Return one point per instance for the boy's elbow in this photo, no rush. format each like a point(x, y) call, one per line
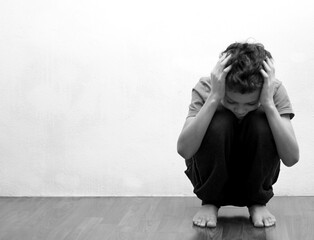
point(292, 161)
point(296, 158)
point(182, 151)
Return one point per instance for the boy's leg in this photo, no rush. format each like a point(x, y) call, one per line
point(262, 165)
point(207, 169)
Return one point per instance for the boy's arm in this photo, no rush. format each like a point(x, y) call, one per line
point(281, 127)
point(286, 143)
point(195, 128)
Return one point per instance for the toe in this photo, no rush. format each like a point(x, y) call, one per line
point(211, 223)
point(197, 221)
point(267, 222)
point(203, 223)
point(258, 223)
point(270, 222)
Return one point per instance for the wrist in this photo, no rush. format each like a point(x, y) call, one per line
point(214, 97)
point(212, 100)
point(269, 105)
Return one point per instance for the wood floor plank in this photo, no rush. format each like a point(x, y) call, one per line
point(147, 218)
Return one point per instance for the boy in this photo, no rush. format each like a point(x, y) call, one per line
point(237, 130)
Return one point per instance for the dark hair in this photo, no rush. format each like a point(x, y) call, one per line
point(247, 61)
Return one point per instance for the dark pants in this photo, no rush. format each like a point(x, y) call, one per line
point(237, 162)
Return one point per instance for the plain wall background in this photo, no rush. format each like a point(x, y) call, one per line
point(93, 94)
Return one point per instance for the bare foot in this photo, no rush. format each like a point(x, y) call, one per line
point(261, 217)
point(206, 216)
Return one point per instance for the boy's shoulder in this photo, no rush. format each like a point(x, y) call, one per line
point(202, 88)
point(203, 84)
point(278, 87)
point(277, 82)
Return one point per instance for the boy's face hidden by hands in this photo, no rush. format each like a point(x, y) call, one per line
point(241, 104)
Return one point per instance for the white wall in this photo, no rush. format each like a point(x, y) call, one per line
point(93, 94)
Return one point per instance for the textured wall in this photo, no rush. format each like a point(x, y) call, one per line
point(93, 94)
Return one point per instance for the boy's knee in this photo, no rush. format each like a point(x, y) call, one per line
point(259, 125)
point(222, 124)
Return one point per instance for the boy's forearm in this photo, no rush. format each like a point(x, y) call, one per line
point(283, 134)
point(193, 133)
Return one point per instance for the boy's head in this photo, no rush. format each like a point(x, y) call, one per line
point(247, 61)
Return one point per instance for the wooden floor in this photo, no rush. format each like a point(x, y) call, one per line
point(148, 218)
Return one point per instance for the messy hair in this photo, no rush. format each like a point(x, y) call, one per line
point(247, 61)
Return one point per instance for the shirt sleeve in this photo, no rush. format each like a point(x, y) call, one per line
point(199, 95)
point(282, 101)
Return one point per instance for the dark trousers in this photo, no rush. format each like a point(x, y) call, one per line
point(237, 162)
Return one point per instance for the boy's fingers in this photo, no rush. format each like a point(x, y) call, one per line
point(265, 75)
point(266, 66)
point(222, 56)
point(270, 61)
point(227, 69)
point(225, 60)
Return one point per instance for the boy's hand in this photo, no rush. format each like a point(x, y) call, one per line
point(218, 75)
point(266, 98)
